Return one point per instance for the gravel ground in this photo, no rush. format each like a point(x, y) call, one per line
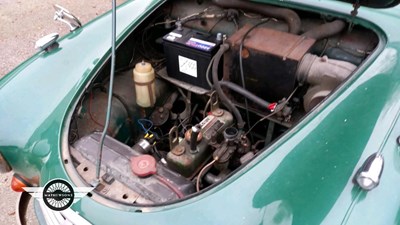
point(22, 23)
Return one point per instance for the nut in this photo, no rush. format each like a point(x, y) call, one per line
point(178, 150)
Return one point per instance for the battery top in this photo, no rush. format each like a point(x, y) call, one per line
point(193, 39)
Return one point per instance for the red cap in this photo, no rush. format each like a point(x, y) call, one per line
point(144, 165)
point(272, 106)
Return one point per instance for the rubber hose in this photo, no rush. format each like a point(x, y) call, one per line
point(339, 54)
point(223, 48)
point(293, 20)
point(325, 30)
point(254, 98)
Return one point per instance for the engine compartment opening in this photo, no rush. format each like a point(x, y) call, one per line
point(201, 88)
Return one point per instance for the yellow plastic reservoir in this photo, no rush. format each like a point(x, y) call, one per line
point(144, 77)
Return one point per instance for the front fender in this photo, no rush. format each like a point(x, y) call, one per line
point(35, 96)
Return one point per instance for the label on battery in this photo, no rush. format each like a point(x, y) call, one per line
point(187, 66)
point(200, 44)
point(172, 36)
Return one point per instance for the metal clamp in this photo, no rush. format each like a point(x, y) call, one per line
point(215, 109)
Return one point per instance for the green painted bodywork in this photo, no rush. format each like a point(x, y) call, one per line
point(303, 178)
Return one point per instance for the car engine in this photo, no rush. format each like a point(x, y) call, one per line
point(201, 88)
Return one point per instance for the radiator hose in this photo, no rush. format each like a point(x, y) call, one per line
point(217, 86)
point(290, 16)
point(325, 30)
point(247, 94)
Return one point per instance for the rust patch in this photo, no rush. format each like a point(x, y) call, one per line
point(245, 53)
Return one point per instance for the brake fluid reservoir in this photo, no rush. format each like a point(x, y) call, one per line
point(143, 77)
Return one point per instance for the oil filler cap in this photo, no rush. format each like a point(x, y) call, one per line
point(144, 165)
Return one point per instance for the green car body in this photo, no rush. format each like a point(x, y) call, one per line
point(306, 177)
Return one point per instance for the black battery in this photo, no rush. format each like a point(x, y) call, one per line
point(188, 53)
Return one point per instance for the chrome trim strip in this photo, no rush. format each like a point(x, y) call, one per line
point(65, 217)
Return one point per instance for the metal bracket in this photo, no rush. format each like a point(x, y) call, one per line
point(173, 137)
point(214, 101)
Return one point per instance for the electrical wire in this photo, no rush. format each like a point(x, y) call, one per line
point(206, 107)
point(143, 42)
point(91, 115)
point(205, 14)
point(250, 16)
point(215, 24)
point(162, 23)
point(241, 65)
point(186, 97)
point(185, 127)
point(141, 124)
point(260, 120)
point(179, 125)
point(273, 113)
point(183, 121)
point(149, 127)
point(208, 72)
point(157, 153)
point(118, 97)
point(162, 134)
point(202, 171)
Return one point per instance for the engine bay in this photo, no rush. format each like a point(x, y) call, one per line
point(201, 88)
